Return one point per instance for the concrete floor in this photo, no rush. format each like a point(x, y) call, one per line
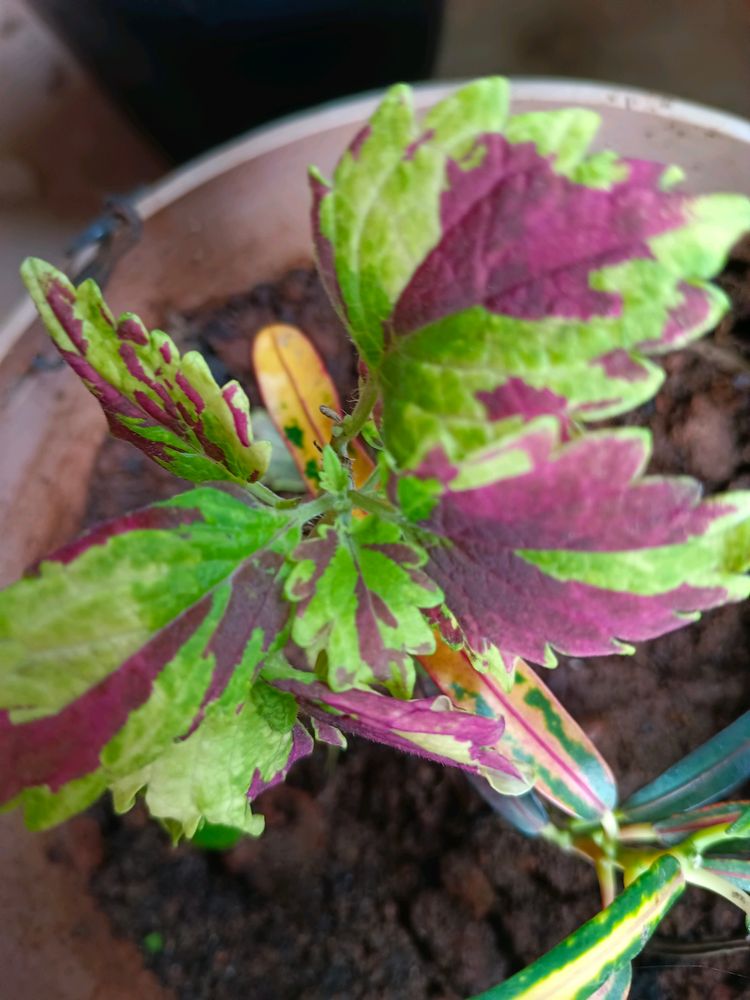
point(64, 147)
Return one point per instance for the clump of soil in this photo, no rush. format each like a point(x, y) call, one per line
point(381, 875)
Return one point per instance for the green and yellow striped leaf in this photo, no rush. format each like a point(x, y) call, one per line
point(589, 957)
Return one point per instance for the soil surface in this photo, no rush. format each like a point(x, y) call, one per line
point(383, 876)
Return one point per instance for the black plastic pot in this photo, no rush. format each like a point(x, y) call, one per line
point(192, 73)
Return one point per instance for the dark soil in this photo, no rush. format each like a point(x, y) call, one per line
point(382, 876)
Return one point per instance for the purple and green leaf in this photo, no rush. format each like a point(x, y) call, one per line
point(472, 250)
point(713, 770)
point(548, 544)
point(427, 727)
point(540, 736)
point(598, 952)
point(358, 588)
point(167, 405)
point(131, 638)
point(741, 826)
point(379, 219)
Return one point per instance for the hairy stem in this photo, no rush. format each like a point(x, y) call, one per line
point(271, 499)
point(310, 509)
point(374, 505)
point(353, 423)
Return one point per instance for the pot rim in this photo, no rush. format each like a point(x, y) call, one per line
point(356, 107)
point(352, 109)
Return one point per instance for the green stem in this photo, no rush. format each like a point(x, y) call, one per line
point(699, 842)
point(605, 873)
point(271, 499)
point(312, 508)
point(638, 833)
point(719, 885)
point(372, 482)
point(374, 505)
point(353, 423)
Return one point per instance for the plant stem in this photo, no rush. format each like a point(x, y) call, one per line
point(605, 872)
point(699, 842)
point(374, 505)
point(353, 423)
point(721, 886)
point(271, 499)
point(638, 833)
point(312, 508)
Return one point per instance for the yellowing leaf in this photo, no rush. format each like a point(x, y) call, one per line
point(294, 384)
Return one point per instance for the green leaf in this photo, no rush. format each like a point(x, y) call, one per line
point(473, 253)
point(734, 870)
point(705, 774)
point(358, 588)
point(216, 837)
point(539, 525)
point(601, 947)
point(417, 498)
point(101, 599)
point(206, 777)
point(168, 406)
point(333, 477)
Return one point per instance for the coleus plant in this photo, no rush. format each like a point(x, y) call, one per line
point(507, 290)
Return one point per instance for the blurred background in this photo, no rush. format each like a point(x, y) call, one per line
point(103, 96)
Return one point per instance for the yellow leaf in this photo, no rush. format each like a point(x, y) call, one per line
point(294, 384)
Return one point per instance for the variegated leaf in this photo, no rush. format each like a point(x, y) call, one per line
point(473, 251)
point(616, 987)
point(168, 406)
point(358, 589)
point(428, 727)
point(138, 634)
point(585, 960)
point(714, 769)
point(680, 825)
point(735, 870)
point(552, 545)
point(540, 735)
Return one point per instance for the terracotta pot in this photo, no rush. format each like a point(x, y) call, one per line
point(224, 223)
